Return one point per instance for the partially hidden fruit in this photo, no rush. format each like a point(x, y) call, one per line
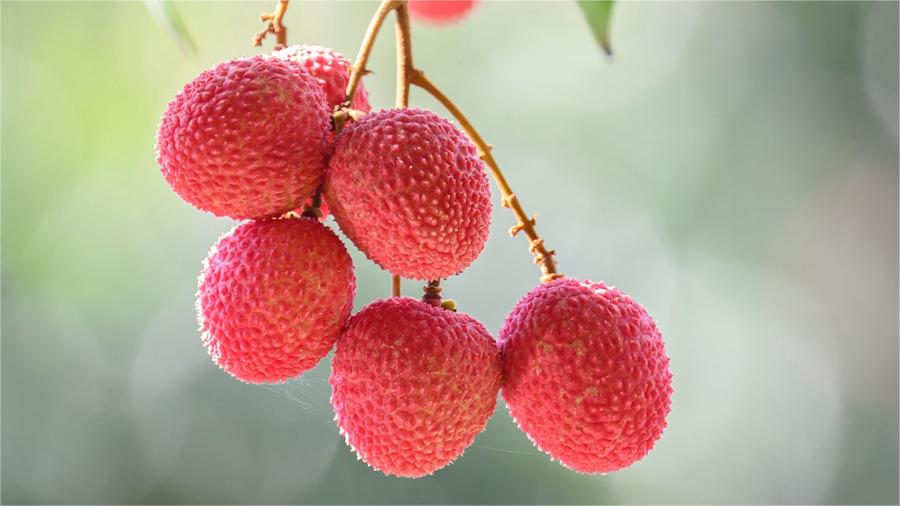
point(274, 296)
point(585, 374)
point(407, 187)
point(246, 139)
point(331, 69)
point(413, 384)
point(440, 11)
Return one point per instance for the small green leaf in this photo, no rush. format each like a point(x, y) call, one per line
point(164, 13)
point(599, 16)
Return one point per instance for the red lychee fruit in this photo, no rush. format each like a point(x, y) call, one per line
point(331, 69)
point(440, 11)
point(274, 296)
point(585, 374)
point(245, 139)
point(407, 187)
point(413, 384)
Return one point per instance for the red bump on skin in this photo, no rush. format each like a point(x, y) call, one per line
point(245, 139)
point(331, 69)
point(440, 11)
point(274, 296)
point(585, 374)
point(413, 384)
point(407, 187)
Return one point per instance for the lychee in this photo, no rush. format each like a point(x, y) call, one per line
point(413, 384)
point(440, 11)
point(274, 296)
point(585, 374)
point(246, 139)
point(331, 69)
point(407, 187)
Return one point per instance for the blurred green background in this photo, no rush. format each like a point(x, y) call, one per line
point(734, 168)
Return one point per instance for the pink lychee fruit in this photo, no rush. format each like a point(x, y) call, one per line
point(274, 296)
point(407, 187)
point(413, 384)
point(440, 11)
point(246, 139)
point(331, 69)
point(585, 375)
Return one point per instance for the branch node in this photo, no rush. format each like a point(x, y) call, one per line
point(432, 293)
point(527, 224)
point(274, 25)
point(343, 114)
point(314, 208)
point(546, 278)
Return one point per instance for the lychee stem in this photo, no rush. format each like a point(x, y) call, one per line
point(314, 209)
point(542, 256)
point(404, 54)
point(432, 293)
point(274, 25)
point(404, 66)
point(362, 58)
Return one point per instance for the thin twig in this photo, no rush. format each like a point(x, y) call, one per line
point(362, 58)
point(395, 286)
point(274, 25)
point(542, 256)
point(404, 54)
point(404, 67)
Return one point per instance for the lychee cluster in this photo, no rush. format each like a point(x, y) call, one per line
point(581, 366)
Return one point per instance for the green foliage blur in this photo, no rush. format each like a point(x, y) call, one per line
point(734, 167)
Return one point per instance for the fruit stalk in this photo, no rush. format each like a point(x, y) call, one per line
point(542, 256)
point(365, 50)
point(404, 66)
point(404, 54)
point(275, 25)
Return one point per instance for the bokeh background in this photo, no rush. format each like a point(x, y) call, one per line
point(734, 167)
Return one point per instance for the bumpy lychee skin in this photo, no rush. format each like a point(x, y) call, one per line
point(413, 384)
point(585, 374)
point(408, 188)
point(440, 11)
point(331, 69)
point(274, 296)
point(245, 139)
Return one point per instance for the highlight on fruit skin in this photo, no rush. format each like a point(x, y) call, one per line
point(331, 69)
point(440, 11)
point(413, 384)
point(246, 138)
point(585, 375)
point(273, 297)
point(407, 187)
